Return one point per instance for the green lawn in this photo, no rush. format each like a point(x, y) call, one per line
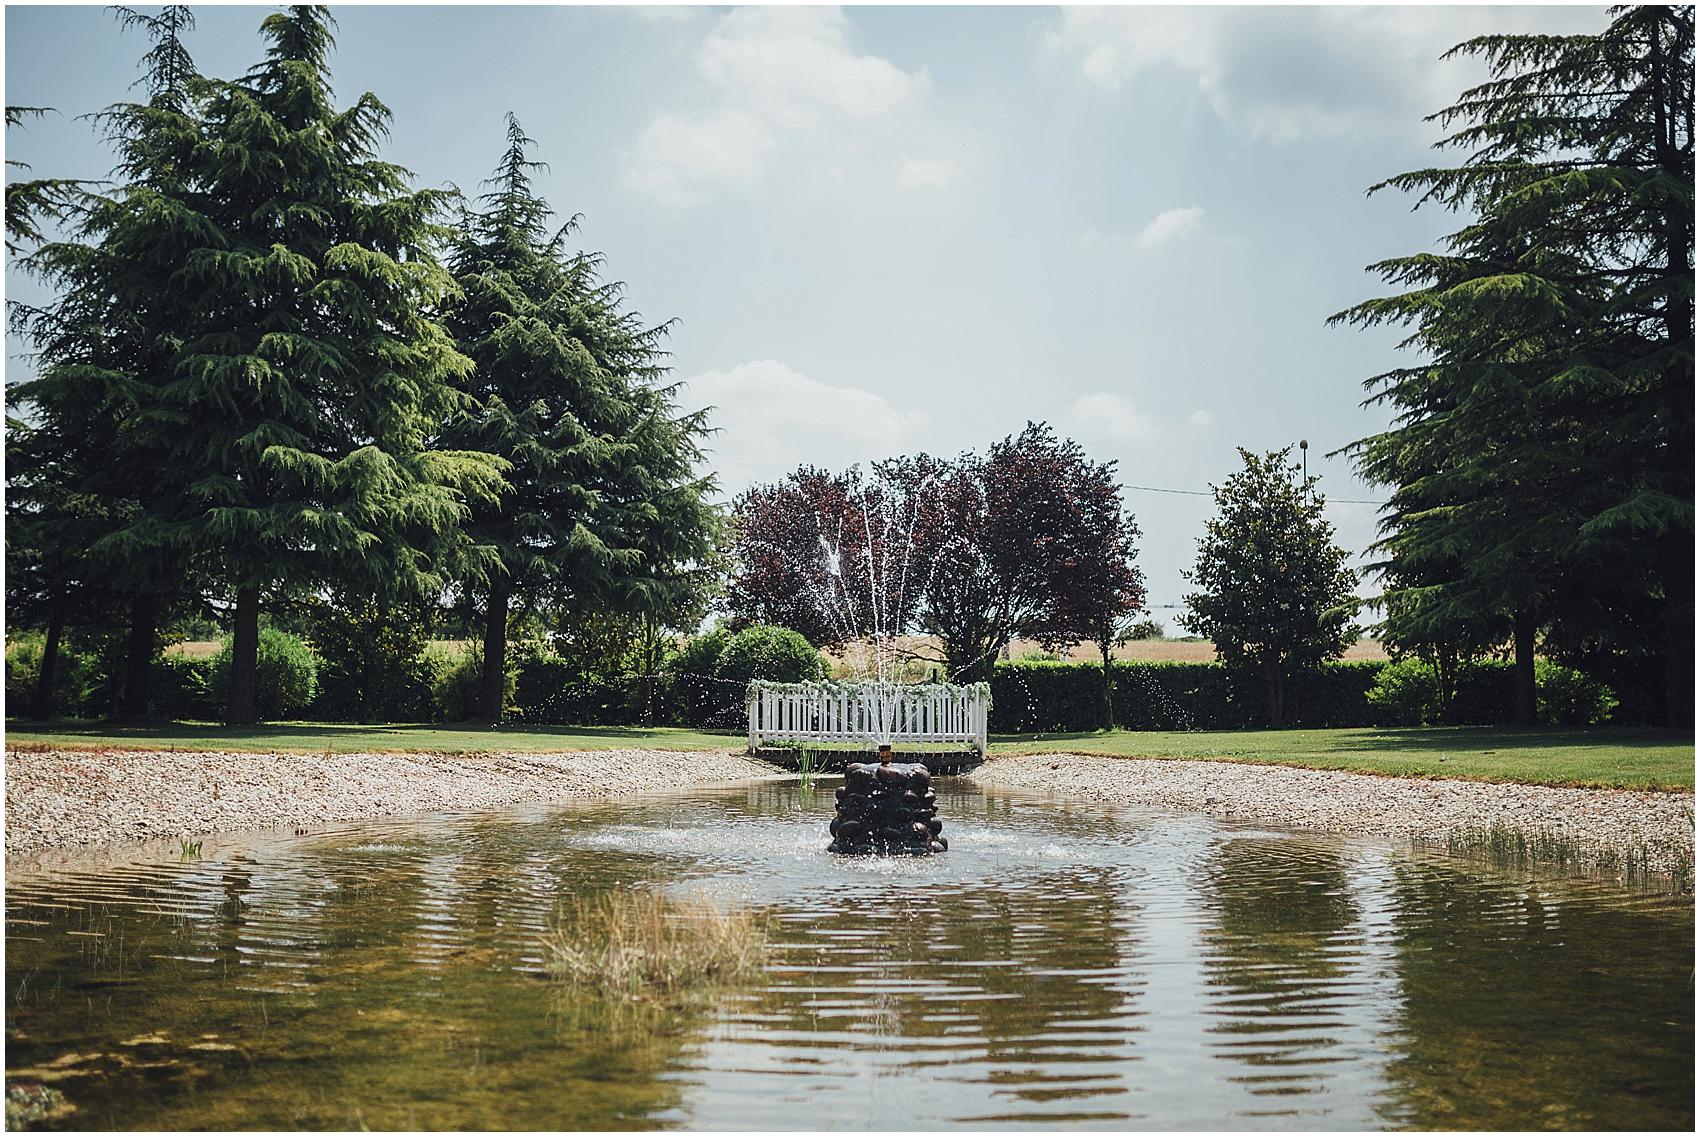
point(1654, 759)
point(320, 737)
point(1606, 757)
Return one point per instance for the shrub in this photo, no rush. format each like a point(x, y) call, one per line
point(80, 687)
point(456, 679)
point(1406, 693)
point(699, 697)
point(182, 688)
point(1566, 697)
point(287, 679)
point(766, 651)
point(375, 662)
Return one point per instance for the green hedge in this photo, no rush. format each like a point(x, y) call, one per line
point(1031, 696)
point(1040, 695)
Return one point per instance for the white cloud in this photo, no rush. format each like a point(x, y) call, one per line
point(798, 59)
point(1280, 74)
point(925, 173)
point(776, 77)
point(1170, 225)
point(661, 13)
point(772, 419)
point(1103, 414)
point(724, 148)
point(1201, 419)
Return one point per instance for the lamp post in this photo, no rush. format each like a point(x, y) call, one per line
point(1304, 458)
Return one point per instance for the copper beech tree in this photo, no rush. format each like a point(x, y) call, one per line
point(1029, 539)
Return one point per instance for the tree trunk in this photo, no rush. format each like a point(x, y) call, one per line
point(42, 706)
point(495, 680)
point(244, 658)
point(1275, 684)
point(138, 657)
point(1109, 688)
point(1677, 571)
point(1523, 664)
point(1678, 619)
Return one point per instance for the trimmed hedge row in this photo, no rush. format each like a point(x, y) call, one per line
point(1028, 696)
point(1031, 696)
point(1035, 696)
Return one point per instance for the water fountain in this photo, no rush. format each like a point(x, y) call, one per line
point(884, 806)
point(887, 807)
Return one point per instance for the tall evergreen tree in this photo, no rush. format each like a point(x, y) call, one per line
point(313, 379)
point(1548, 438)
point(603, 508)
point(32, 201)
point(107, 345)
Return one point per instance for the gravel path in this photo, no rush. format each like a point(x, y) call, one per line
point(1611, 830)
point(66, 797)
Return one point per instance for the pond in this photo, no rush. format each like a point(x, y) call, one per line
point(1064, 964)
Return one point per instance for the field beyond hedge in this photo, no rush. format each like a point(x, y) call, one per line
point(1608, 757)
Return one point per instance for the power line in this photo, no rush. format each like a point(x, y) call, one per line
point(1208, 493)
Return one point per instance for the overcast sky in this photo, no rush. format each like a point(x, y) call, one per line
point(884, 230)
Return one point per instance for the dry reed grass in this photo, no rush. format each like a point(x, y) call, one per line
point(646, 945)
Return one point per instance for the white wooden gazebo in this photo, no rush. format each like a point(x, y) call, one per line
point(868, 713)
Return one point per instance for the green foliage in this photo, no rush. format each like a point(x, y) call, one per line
point(1047, 696)
point(1566, 697)
point(183, 688)
point(456, 681)
point(375, 663)
point(287, 675)
point(79, 678)
point(1541, 456)
point(766, 651)
point(602, 512)
point(701, 698)
point(1406, 693)
point(1274, 590)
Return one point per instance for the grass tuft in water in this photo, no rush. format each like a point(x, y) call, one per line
point(806, 765)
point(189, 850)
point(1638, 862)
point(645, 945)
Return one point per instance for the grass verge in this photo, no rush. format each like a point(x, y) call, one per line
point(1607, 757)
point(349, 738)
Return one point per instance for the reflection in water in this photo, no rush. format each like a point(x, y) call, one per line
point(1061, 965)
point(1525, 1009)
point(1279, 953)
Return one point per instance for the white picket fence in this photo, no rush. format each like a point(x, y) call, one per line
point(868, 713)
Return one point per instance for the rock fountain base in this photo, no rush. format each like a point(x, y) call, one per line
point(887, 807)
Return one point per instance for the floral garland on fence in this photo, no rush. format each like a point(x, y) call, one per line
point(835, 688)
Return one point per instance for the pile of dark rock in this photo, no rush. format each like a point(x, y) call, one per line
point(887, 807)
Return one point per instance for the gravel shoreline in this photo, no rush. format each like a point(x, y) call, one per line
point(1595, 830)
point(67, 797)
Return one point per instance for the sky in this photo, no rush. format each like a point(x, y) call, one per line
point(884, 230)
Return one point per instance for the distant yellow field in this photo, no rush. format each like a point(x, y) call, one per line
point(1162, 651)
point(1150, 651)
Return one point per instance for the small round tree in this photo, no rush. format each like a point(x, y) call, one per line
point(765, 651)
point(1274, 590)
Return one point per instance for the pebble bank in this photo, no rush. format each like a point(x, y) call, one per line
point(68, 797)
point(1591, 829)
